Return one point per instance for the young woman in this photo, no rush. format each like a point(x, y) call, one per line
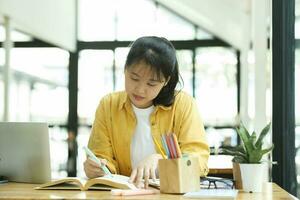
point(127, 122)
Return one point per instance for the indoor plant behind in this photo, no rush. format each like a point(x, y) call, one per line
point(247, 158)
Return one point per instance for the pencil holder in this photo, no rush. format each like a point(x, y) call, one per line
point(179, 175)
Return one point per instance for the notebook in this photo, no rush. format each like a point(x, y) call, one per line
point(212, 194)
point(107, 182)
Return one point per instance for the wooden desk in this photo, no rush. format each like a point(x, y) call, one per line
point(25, 191)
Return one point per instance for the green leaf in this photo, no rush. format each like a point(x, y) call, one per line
point(257, 154)
point(240, 148)
point(253, 138)
point(250, 150)
point(262, 135)
point(245, 137)
point(255, 157)
point(268, 150)
point(239, 159)
point(234, 153)
point(246, 131)
point(235, 148)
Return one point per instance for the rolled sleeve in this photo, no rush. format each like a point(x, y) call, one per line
point(192, 139)
point(100, 140)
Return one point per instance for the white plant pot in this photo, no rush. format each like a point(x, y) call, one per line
point(252, 177)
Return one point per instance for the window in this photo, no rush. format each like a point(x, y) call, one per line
point(96, 20)
point(15, 35)
point(132, 22)
point(201, 34)
point(215, 82)
point(120, 20)
point(168, 26)
point(95, 79)
point(120, 59)
point(221, 137)
point(185, 63)
point(82, 140)
point(251, 86)
point(297, 19)
point(39, 74)
point(58, 151)
point(39, 92)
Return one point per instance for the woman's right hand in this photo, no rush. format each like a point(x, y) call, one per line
point(92, 169)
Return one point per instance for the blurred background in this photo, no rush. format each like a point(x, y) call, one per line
point(63, 87)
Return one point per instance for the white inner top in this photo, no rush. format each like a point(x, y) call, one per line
point(142, 143)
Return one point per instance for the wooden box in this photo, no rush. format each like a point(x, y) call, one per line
point(179, 175)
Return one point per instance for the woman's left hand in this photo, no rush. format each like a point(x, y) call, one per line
point(145, 170)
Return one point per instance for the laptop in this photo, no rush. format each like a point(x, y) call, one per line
point(24, 152)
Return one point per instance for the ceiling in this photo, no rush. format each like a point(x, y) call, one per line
point(229, 20)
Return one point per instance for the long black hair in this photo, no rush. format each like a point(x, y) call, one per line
point(160, 55)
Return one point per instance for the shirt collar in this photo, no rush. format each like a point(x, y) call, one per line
point(125, 101)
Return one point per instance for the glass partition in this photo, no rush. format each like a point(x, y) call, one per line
point(120, 59)
point(39, 92)
point(185, 63)
point(39, 74)
point(216, 86)
point(95, 77)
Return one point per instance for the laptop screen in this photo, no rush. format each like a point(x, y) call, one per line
point(24, 152)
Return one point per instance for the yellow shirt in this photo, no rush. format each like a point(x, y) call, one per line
point(115, 123)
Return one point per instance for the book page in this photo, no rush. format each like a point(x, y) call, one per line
point(121, 179)
point(114, 181)
point(117, 178)
point(101, 183)
point(70, 183)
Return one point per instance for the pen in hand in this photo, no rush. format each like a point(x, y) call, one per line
point(94, 158)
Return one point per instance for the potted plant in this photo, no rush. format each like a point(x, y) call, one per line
point(247, 159)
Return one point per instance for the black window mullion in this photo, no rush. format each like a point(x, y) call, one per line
point(283, 123)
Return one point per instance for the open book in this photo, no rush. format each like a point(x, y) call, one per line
point(101, 183)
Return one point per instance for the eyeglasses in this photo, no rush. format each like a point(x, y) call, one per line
point(217, 182)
